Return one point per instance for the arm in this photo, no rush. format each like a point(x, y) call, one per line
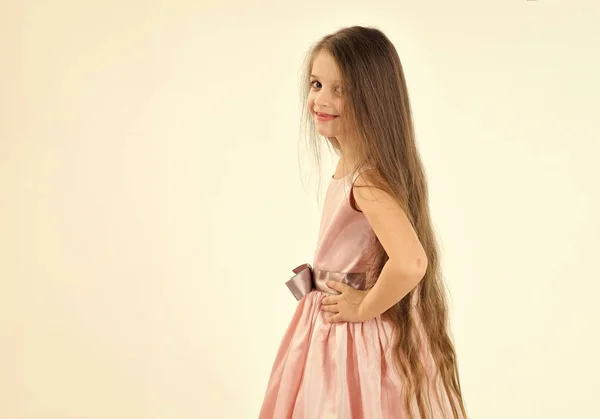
point(407, 261)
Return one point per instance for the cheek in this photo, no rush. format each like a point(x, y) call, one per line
point(310, 103)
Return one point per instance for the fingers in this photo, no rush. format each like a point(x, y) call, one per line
point(330, 303)
point(333, 308)
point(337, 286)
point(332, 299)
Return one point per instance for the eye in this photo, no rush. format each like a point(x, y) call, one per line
point(312, 83)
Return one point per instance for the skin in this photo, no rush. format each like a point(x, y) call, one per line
point(326, 96)
point(407, 261)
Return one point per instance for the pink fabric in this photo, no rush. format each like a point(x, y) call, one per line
point(344, 370)
point(345, 234)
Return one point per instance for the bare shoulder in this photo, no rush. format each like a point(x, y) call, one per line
point(369, 197)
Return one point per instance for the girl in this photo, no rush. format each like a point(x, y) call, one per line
point(369, 338)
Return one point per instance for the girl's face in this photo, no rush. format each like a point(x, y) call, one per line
point(326, 96)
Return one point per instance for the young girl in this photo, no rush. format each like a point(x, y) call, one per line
point(369, 338)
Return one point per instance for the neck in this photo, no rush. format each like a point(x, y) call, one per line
point(344, 166)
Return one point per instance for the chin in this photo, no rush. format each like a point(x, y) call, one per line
point(329, 134)
point(326, 132)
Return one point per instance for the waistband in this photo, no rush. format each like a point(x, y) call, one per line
point(307, 279)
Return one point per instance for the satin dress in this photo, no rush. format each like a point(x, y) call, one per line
point(340, 370)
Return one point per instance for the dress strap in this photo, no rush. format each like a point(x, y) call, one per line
point(351, 192)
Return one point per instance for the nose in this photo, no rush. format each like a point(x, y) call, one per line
point(323, 98)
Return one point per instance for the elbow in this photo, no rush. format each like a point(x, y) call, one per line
point(412, 270)
point(421, 267)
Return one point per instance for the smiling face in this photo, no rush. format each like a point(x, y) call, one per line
point(326, 96)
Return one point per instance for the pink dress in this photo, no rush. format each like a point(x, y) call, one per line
point(342, 370)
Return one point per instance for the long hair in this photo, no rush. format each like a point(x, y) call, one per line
point(378, 112)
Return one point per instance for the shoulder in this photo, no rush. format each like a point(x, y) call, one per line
point(370, 192)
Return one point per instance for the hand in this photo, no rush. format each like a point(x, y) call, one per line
point(345, 306)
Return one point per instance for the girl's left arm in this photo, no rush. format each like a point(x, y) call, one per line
point(407, 261)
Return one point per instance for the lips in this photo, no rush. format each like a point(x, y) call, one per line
point(325, 117)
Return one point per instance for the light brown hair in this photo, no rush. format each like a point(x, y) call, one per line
point(379, 115)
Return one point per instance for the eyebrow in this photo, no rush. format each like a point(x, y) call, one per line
point(316, 77)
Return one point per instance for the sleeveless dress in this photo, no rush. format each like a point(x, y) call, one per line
point(340, 370)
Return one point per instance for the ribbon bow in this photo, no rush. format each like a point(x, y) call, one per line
point(302, 282)
point(307, 279)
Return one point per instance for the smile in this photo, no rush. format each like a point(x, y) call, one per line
point(325, 116)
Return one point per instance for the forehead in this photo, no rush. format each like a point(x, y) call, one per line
point(325, 68)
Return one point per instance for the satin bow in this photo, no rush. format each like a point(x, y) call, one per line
point(302, 282)
point(307, 279)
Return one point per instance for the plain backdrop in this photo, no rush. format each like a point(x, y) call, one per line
point(152, 205)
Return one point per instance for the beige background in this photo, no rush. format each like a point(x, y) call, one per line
point(151, 206)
